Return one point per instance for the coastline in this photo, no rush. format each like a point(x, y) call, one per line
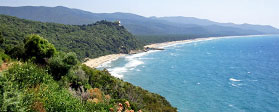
point(96, 62)
point(171, 43)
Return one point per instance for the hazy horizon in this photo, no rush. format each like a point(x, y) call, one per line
point(260, 12)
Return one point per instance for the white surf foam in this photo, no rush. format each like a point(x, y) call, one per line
point(133, 61)
point(117, 71)
point(234, 85)
point(173, 54)
point(234, 80)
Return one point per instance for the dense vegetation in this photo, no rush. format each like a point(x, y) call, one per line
point(51, 81)
point(91, 40)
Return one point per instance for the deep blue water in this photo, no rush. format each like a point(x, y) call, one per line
point(223, 75)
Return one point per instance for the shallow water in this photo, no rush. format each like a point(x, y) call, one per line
point(223, 75)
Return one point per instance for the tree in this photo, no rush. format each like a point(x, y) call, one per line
point(38, 48)
point(61, 63)
point(16, 52)
point(1, 38)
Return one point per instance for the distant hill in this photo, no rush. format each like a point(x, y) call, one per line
point(205, 22)
point(92, 40)
point(136, 24)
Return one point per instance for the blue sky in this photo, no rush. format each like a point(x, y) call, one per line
point(264, 12)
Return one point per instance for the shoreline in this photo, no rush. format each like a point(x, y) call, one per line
point(96, 62)
point(170, 43)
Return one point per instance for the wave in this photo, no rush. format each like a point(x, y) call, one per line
point(173, 54)
point(133, 61)
point(105, 65)
point(146, 58)
point(234, 80)
point(237, 85)
point(117, 71)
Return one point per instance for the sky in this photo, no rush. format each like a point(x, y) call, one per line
point(263, 12)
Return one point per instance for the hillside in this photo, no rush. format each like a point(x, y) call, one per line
point(139, 25)
point(204, 22)
point(36, 77)
point(90, 40)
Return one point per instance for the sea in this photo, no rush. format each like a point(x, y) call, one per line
point(238, 74)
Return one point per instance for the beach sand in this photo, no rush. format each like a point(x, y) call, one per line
point(165, 44)
point(95, 62)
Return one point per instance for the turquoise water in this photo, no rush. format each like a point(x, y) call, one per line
point(223, 75)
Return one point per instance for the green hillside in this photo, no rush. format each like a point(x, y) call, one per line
point(49, 80)
point(91, 40)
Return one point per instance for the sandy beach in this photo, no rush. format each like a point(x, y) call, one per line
point(165, 44)
point(103, 59)
point(95, 62)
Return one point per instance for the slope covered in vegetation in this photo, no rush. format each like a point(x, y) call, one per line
point(47, 80)
point(91, 40)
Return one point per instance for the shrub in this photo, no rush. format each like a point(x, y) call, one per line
point(61, 63)
point(4, 57)
point(11, 98)
point(2, 85)
point(77, 77)
point(26, 87)
point(1, 38)
point(16, 52)
point(118, 89)
point(51, 98)
point(27, 75)
point(38, 48)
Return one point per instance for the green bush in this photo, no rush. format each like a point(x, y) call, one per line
point(100, 107)
point(4, 57)
point(51, 98)
point(61, 63)
point(26, 87)
point(27, 75)
point(2, 85)
point(77, 77)
point(11, 98)
point(38, 48)
point(16, 52)
point(119, 89)
point(1, 39)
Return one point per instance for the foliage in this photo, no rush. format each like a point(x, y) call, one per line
point(27, 75)
point(38, 47)
point(61, 63)
point(4, 57)
point(30, 87)
point(77, 77)
point(16, 52)
point(118, 89)
point(51, 98)
point(26, 87)
point(12, 99)
point(91, 40)
point(1, 39)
